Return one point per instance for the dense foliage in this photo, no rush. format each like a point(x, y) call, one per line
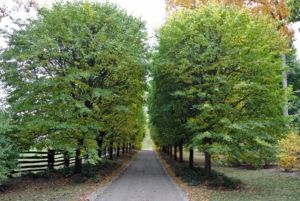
point(75, 77)
point(8, 150)
point(288, 152)
point(217, 70)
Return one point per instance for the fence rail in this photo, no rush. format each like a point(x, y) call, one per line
point(35, 161)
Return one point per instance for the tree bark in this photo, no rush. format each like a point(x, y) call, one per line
point(66, 159)
point(170, 151)
point(191, 158)
point(99, 143)
point(207, 165)
point(180, 154)
point(118, 151)
point(110, 150)
point(78, 162)
point(175, 152)
point(284, 85)
point(123, 148)
point(51, 159)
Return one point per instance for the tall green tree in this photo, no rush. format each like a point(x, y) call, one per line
point(294, 6)
point(65, 69)
point(228, 64)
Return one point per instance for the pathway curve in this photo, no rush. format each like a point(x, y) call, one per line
point(144, 179)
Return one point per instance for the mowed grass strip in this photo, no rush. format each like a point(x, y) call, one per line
point(258, 185)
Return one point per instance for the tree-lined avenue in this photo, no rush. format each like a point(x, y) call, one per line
point(143, 179)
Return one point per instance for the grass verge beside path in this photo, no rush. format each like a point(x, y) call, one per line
point(258, 185)
point(56, 187)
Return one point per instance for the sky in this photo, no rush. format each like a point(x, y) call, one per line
point(152, 11)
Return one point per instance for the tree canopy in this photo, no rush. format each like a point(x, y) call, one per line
point(69, 72)
point(277, 10)
point(220, 68)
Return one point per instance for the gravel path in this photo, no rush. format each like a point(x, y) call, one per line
point(144, 179)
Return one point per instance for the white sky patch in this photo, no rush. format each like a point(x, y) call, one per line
point(296, 27)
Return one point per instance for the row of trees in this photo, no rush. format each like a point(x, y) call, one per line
point(75, 78)
point(215, 85)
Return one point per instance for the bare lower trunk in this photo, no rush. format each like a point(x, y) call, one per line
point(207, 165)
point(123, 148)
point(284, 85)
point(126, 147)
point(175, 153)
point(118, 151)
point(110, 150)
point(170, 151)
point(99, 142)
point(180, 154)
point(78, 162)
point(191, 158)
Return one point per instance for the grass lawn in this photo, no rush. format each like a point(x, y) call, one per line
point(258, 185)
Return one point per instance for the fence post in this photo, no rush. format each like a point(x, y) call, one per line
point(51, 154)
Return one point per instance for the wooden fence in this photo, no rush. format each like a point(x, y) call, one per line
point(35, 161)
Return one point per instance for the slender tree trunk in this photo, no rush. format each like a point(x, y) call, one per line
point(207, 165)
point(170, 151)
point(99, 143)
point(110, 150)
point(180, 154)
point(129, 146)
point(51, 159)
point(284, 85)
point(123, 148)
point(78, 162)
point(126, 147)
point(175, 152)
point(66, 159)
point(118, 151)
point(191, 158)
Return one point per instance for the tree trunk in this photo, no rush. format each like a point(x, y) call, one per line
point(191, 158)
point(51, 159)
point(110, 150)
point(129, 146)
point(126, 147)
point(78, 162)
point(175, 152)
point(180, 154)
point(123, 148)
point(66, 159)
point(118, 151)
point(284, 85)
point(170, 151)
point(99, 143)
point(207, 165)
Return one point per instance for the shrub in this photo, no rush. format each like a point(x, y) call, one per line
point(288, 149)
point(8, 157)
